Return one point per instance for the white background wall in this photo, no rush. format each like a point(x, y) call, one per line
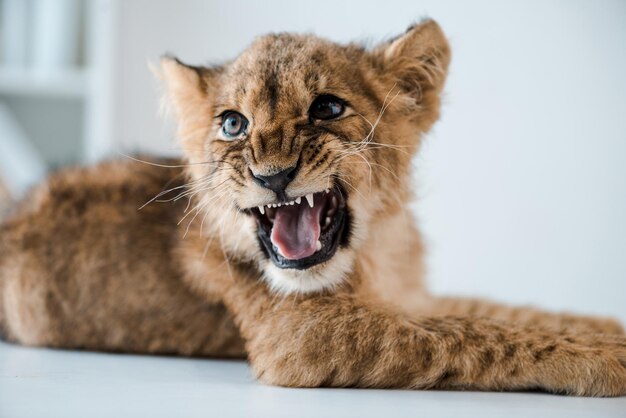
point(522, 184)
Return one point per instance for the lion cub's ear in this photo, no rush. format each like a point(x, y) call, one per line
point(187, 86)
point(417, 60)
point(188, 91)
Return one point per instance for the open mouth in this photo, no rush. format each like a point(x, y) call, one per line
point(305, 231)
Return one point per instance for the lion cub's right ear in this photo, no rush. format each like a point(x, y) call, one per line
point(187, 86)
point(188, 90)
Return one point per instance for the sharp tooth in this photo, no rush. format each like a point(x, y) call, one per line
point(327, 190)
point(318, 245)
point(298, 199)
point(327, 221)
point(309, 198)
point(292, 203)
point(262, 210)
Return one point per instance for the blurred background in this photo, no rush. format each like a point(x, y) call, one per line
point(521, 186)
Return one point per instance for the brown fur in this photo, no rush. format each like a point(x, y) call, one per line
point(81, 266)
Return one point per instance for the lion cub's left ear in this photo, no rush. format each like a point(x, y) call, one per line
point(417, 60)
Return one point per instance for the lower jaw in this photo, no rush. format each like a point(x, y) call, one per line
point(314, 280)
point(329, 246)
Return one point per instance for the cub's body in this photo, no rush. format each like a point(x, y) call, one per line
point(92, 260)
point(83, 267)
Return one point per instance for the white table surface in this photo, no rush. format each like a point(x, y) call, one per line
point(52, 383)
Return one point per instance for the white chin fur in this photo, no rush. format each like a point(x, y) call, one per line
point(327, 277)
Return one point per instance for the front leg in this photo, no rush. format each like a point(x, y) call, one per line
point(523, 315)
point(336, 341)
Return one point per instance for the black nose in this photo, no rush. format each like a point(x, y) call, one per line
point(277, 182)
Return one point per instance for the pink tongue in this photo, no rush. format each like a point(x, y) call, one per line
point(296, 230)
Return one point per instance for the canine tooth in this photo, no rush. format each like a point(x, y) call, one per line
point(298, 199)
point(309, 198)
point(318, 245)
point(262, 210)
point(327, 222)
point(327, 190)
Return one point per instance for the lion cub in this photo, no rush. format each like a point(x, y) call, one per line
point(285, 235)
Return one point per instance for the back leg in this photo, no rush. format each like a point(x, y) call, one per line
point(82, 267)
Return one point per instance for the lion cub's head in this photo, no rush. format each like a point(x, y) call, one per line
point(299, 145)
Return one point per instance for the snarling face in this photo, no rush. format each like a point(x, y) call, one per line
point(299, 145)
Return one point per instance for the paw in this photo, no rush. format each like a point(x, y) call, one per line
point(592, 366)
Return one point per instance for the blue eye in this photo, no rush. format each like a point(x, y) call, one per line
point(234, 124)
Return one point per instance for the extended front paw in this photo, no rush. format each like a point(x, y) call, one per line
point(586, 367)
point(293, 374)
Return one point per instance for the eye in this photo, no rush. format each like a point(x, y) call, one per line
point(326, 107)
point(233, 124)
